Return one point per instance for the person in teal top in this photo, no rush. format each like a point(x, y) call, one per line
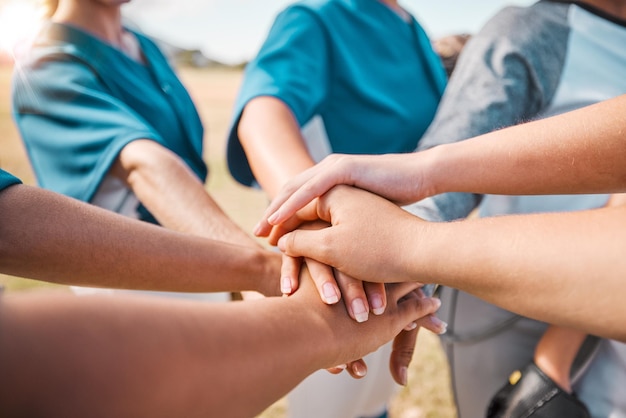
point(336, 76)
point(105, 119)
point(77, 87)
point(368, 71)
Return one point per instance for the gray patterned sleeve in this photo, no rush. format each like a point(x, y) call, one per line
point(506, 74)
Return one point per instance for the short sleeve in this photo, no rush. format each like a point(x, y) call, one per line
point(506, 74)
point(72, 127)
point(7, 179)
point(292, 65)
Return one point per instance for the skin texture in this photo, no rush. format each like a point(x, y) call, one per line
point(583, 148)
point(585, 154)
point(67, 356)
point(563, 268)
point(272, 140)
point(126, 356)
point(41, 229)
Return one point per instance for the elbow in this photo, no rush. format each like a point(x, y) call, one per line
point(143, 159)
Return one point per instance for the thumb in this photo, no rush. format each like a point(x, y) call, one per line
point(402, 354)
point(307, 243)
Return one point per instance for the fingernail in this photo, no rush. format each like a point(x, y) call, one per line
point(437, 302)
point(441, 325)
point(342, 366)
point(358, 369)
point(411, 326)
point(359, 310)
point(272, 218)
point(330, 294)
point(257, 229)
point(376, 302)
point(404, 375)
point(281, 243)
point(285, 285)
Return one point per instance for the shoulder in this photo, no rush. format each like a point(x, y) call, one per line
point(50, 74)
point(59, 52)
point(48, 67)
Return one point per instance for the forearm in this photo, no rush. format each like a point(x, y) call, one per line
point(67, 356)
point(54, 238)
point(271, 138)
point(566, 268)
point(174, 195)
point(577, 152)
point(128, 356)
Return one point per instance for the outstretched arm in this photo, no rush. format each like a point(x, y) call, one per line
point(563, 268)
point(174, 195)
point(51, 237)
point(577, 152)
point(131, 356)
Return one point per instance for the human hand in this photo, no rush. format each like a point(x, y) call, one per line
point(359, 297)
point(370, 237)
point(404, 344)
point(349, 340)
point(397, 177)
point(402, 349)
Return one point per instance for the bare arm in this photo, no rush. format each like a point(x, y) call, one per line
point(566, 268)
point(577, 152)
point(563, 268)
point(270, 136)
point(173, 193)
point(276, 151)
point(127, 357)
point(50, 237)
point(557, 349)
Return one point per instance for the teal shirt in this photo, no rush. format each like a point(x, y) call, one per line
point(372, 77)
point(78, 101)
point(6, 180)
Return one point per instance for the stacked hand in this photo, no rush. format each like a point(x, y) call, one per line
point(357, 244)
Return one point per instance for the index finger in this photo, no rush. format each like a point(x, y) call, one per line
point(302, 189)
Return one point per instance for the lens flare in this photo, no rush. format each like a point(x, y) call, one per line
point(19, 22)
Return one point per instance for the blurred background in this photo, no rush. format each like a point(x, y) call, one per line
point(230, 31)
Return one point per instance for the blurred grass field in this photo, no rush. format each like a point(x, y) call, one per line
point(428, 392)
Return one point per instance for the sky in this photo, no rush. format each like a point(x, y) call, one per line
point(231, 31)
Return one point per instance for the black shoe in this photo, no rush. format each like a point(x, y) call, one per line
point(531, 393)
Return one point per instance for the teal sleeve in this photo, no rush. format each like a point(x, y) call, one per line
point(291, 65)
point(7, 179)
point(72, 127)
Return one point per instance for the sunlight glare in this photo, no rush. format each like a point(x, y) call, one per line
point(19, 22)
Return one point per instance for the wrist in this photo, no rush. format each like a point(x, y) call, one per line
point(432, 244)
point(268, 280)
point(435, 174)
point(420, 239)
